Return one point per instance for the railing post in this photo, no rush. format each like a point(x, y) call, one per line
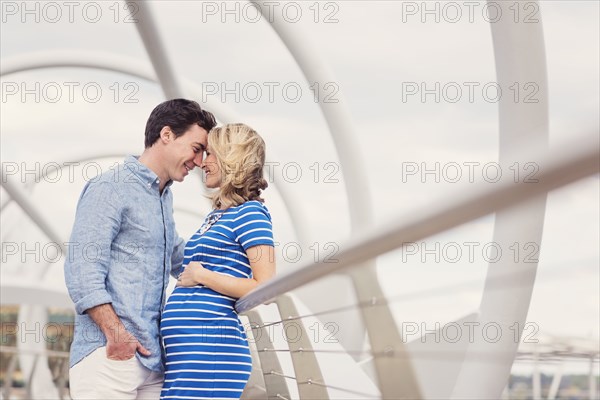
point(275, 383)
point(395, 374)
point(305, 363)
point(63, 377)
point(36, 358)
point(10, 371)
point(255, 388)
point(555, 385)
point(592, 381)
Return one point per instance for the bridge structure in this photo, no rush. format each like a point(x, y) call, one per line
point(377, 357)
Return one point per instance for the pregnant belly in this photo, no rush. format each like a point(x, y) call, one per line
point(201, 317)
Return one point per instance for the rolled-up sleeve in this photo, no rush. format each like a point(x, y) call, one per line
point(97, 222)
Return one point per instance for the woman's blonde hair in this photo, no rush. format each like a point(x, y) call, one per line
point(240, 154)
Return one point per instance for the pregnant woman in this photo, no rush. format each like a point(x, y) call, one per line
point(207, 353)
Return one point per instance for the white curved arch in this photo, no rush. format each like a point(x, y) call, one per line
point(156, 51)
point(30, 209)
point(519, 53)
point(17, 292)
point(520, 57)
point(336, 115)
point(107, 62)
point(364, 280)
point(131, 66)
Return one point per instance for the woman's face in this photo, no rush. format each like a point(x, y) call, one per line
point(211, 170)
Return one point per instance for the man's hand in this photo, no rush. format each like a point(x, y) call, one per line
point(123, 345)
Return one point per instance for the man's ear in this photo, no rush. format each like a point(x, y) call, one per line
point(166, 135)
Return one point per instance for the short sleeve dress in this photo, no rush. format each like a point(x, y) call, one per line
point(206, 349)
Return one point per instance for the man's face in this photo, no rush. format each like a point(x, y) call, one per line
point(185, 152)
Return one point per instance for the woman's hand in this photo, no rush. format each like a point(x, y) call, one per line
point(191, 275)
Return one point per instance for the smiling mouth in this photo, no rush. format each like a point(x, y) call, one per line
point(187, 168)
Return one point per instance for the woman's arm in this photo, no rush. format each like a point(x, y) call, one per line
point(262, 261)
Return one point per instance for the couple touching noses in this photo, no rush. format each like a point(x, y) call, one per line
point(130, 340)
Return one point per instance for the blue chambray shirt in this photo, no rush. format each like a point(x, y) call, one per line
point(122, 248)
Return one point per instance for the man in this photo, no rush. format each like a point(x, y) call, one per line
point(122, 248)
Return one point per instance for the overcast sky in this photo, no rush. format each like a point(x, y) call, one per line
point(377, 51)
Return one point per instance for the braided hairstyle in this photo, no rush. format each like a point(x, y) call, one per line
point(240, 154)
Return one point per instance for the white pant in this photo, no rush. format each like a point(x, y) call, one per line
point(97, 377)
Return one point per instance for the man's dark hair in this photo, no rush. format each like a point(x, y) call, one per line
point(179, 115)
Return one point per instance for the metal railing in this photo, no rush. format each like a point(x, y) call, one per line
point(558, 167)
point(60, 372)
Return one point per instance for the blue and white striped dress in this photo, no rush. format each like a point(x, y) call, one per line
point(207, 353)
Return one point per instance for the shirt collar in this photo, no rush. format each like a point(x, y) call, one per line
point(144, 174)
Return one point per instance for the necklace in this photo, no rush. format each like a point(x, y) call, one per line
point(210, 220)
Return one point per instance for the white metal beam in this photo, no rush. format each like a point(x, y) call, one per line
point(344, 135)
point(156, 50)
point(30, 209)
point(519, 57)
